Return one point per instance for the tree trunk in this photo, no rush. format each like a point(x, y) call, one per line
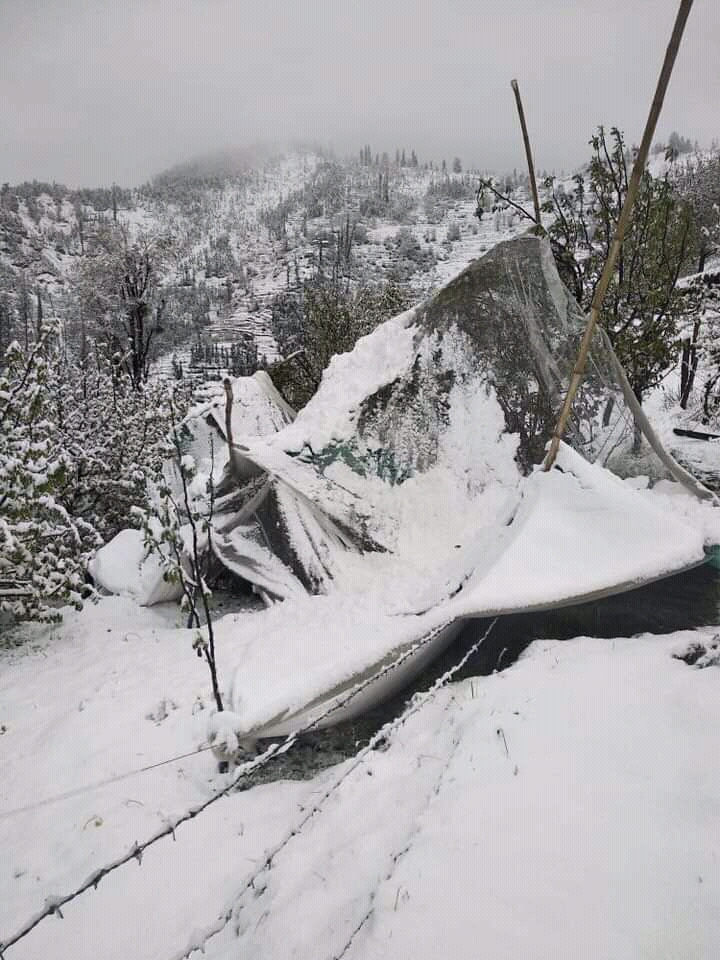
point(136, 322)
point(637, 430)
point(688, 365)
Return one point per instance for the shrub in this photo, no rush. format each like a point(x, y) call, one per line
point(326, 320)
point(78, 444)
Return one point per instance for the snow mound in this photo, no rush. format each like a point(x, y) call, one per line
point(122, 567)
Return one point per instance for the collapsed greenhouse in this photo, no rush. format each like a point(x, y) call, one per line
point(410, 492)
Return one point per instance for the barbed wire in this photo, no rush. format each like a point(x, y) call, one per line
point(416, 704)
point(78, 791)
point(53, 905)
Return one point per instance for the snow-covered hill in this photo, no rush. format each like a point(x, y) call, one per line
point(242, 237)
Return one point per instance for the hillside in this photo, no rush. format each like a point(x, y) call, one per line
point(242, 234)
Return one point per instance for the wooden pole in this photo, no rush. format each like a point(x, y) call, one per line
point(633, 186)
point(528, 152)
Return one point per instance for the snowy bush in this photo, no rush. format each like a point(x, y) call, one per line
point(43, 548)
point(77, 447)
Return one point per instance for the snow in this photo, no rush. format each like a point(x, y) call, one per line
point(580, 531)
point(575, 842)
point(82, 707)
point(290, 656)
point(463, 481)
point(465, 535)
point(376, 360)
point(258, 409)
point(565, 807)
point(122, 567)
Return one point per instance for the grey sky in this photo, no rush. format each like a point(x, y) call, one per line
point(95, 91)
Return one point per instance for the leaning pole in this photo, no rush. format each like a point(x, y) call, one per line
point(601, 289)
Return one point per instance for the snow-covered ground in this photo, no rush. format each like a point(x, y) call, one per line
point(566, 807)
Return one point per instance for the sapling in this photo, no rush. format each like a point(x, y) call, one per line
point(185, 562)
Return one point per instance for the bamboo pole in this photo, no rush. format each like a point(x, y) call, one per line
point(633, 186)
point(528, 152)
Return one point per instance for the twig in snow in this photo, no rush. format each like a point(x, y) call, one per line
point(501, 733)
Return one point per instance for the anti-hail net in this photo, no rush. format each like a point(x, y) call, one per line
point(431, 413)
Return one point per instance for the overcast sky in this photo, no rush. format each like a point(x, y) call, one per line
point(96, 91)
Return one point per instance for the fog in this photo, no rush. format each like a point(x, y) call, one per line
point(115, 91)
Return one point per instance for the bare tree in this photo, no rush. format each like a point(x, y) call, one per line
point(119, 289)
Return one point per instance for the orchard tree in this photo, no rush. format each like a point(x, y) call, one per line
point(115, 438)
point(119, 292)
point(78, 446)
point(43, 548)
point(643, 309)
point(697, 181)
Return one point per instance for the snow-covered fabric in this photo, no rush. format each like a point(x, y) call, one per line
point(123, 567)
point(407, 497)
point(439, 414)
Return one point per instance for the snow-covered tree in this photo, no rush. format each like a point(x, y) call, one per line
point(43, 548)
point(643, 307)
point(115, 438)
point(78, 445)
point(700, 360)
point(697, 181)
point(118, 284)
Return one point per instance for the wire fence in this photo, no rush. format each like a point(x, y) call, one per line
point(53, 905)
point(417, 703)
point(78, 791)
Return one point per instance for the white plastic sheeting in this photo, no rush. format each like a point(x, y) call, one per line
point(409, 492)
point(407, 496)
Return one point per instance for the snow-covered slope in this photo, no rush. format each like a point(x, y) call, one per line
point(565, 807)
